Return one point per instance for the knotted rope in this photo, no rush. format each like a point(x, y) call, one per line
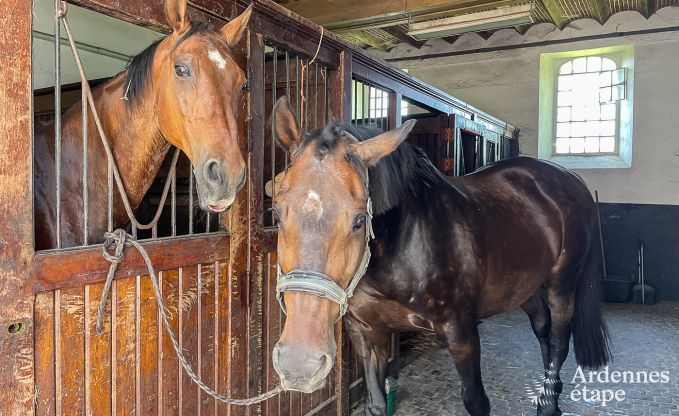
point(117, 241)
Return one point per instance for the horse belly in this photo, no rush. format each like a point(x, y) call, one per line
point(504, 293)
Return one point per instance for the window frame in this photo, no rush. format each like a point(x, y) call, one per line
point(550, 64)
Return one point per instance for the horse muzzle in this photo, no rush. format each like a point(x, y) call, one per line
point(302, 369)
point(217, 186)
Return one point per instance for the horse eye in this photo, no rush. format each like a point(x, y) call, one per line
point(358, 222)
point(182, 71)
point(244, 87)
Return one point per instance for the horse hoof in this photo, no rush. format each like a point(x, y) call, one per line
point(375, 410)
point(549, 411)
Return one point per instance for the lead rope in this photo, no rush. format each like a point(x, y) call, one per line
point(119, 239)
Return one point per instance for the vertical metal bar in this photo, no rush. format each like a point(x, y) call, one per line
point(190, 201)
point(207, 222)
point(354, 86)
point(287, 92)
point(297, 87)
point(173, 190)
point(306, 95)
point(325, 95)
point(109, 203)
point(315, 95)
point(274, 86)
point(362, 104)
point(86, 194)
point(57, 114)
point(287, 74)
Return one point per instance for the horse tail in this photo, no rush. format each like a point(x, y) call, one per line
point(590, 334)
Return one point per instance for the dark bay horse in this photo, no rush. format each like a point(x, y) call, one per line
point(182, 90)
point(446, 254)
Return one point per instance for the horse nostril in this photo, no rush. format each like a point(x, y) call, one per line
point(212, 171)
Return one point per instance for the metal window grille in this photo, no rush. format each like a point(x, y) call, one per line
point(587, 108)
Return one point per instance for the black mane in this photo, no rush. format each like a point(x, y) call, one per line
point(406, 173)
point(139, 68)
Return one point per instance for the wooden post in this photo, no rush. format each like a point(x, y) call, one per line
point(340, 107)
point(16, 212)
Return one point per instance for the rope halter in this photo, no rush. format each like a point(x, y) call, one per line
point(320, 284)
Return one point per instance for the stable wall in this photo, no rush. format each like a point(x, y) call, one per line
point(506, 83)
point(640, 202)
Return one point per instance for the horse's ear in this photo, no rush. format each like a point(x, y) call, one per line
point(285, 128)
point(233, 31)
point(372, 150)
point(175, 12)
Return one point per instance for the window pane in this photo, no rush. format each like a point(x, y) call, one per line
point(563, 114)
point(579, 113)
point(592, 145)
point(565, 83)
point(577, 145)
point(563, 129)
point(608, 64)
point(580, 65)
point(608, 112)
point(618, 76)
point(567, 68)
point(564, 99)
point(605, 95)
point(605, 79)
point(619, 92)
point(578, 129)
point(607, 145)
point(593, 111)
point(608, 128)
point(593, 64)
point(562, 145)
point(592, 128)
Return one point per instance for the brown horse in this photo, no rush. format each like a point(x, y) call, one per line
point(446, 254)
point(182, 90)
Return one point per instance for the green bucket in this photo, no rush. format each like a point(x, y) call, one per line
point(390, 387)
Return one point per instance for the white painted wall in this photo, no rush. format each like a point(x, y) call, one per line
point(505, 84)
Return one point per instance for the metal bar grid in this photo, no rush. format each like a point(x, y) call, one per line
point(306, 85)
point(85, 219)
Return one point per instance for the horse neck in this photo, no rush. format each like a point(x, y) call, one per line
point(132, 130)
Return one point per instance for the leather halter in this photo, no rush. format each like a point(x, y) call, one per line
point(320, 284)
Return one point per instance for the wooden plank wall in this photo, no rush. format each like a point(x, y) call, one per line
point(16, 213)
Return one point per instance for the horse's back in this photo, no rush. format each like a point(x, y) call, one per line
point(530, 221)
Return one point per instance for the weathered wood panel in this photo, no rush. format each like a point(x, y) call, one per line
point(76, 268)
point(16, 211)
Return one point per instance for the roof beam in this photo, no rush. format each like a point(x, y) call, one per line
point(555, 12)
point(647, 7)
point(600, 9)
point(361, 14)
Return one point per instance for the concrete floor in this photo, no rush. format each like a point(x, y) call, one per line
point(644, 338)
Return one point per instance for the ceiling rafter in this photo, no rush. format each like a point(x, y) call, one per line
point(383, 24)
point(647, 7)
point(556, 12)
point(600, 9)
point(352, 15)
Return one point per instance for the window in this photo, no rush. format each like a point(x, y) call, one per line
point(586, 107)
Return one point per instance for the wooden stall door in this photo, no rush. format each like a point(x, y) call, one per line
point(212, 294)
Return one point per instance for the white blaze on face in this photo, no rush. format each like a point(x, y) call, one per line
point(313, 205)
point(217, 58)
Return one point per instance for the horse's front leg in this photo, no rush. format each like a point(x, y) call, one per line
point(463, 343)
point(372, 347)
